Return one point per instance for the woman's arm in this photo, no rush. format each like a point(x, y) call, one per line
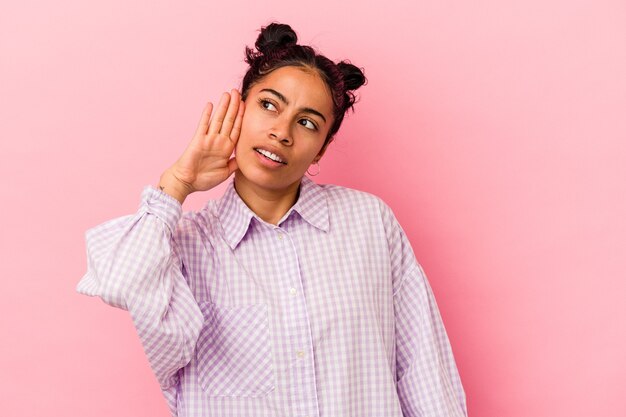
point(428, 382)
point(133, 261)
point(133, 264)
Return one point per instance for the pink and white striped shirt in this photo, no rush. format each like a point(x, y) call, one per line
point(327, 313)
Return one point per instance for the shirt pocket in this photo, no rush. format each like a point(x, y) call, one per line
point(234, 353)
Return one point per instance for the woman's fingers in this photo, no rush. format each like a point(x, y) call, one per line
point(231, 113)
point(234, 134)
point(203, 125)
point(218, 118)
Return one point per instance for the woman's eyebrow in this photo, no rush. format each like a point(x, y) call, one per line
point(284, 100)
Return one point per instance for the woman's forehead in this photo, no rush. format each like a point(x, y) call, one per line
point(301, 86)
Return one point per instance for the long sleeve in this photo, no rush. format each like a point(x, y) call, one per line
point(428, 382)
point(133, 264)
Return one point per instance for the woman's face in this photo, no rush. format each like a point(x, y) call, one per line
point(287, 117)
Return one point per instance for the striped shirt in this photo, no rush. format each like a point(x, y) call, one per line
point(327, 313)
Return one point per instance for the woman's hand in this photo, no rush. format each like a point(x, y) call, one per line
point(207, 160)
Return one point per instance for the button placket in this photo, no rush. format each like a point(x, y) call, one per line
point(298, 325)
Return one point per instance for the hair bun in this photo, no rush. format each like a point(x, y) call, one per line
point(275, 36)
point(353, 76)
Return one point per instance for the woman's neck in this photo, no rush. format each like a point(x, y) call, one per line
point(270, 205)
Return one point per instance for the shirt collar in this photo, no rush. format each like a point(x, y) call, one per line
point(235, 216)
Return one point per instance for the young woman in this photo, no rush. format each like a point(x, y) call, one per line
point(284, 297)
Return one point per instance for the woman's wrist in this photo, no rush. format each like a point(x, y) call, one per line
point(171, 185)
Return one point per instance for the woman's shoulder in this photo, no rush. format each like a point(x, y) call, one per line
point(343, 193)
point(339, 196)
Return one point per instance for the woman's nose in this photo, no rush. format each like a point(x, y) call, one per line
point(280, 132)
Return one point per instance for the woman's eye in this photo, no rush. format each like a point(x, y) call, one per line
point(267, 105)
point(308, 124)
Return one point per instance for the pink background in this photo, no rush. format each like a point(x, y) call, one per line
point(495, 130)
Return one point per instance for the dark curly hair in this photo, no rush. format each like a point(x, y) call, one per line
point(277, 47)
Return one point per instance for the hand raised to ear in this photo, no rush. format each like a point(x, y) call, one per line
point(208, 160)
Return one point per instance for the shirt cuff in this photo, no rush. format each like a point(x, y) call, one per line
point(162, 205)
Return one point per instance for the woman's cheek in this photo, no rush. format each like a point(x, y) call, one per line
point(249, 123)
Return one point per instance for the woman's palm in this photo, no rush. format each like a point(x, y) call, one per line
point(207, 160)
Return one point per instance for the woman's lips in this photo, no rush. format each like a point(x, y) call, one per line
point(271, 156)
point(265, 157)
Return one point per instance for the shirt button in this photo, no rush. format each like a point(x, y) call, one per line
point(300, 354)
point(280, 235)
point(292, 291)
